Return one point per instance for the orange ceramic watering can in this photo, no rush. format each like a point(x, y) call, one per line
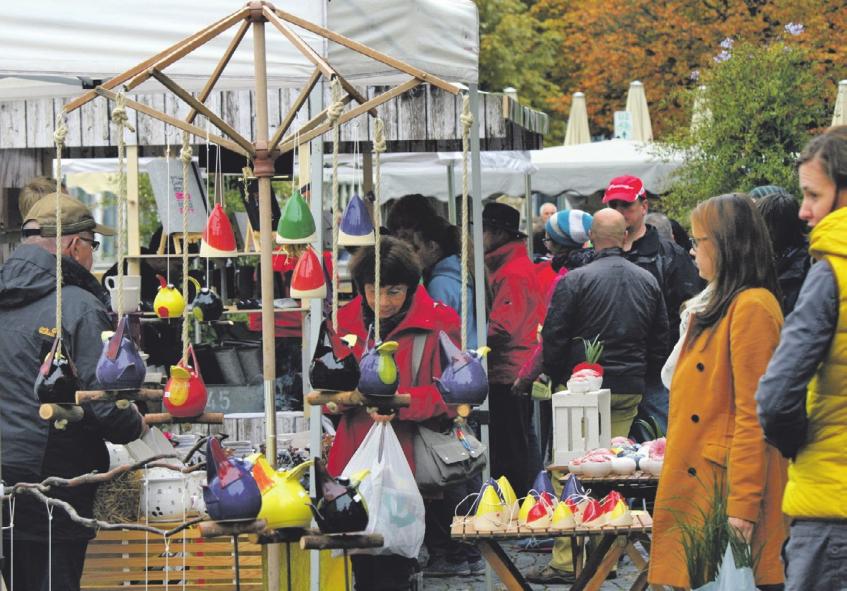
point(169, 302)
point(185, 393)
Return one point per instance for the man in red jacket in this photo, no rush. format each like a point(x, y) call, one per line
point(516, 311)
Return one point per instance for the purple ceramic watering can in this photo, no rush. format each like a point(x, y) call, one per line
point(120, 365)
point(463, 380)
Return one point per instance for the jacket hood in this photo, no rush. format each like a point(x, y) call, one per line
point(447, 267)
point(30, 274)
point(829, 237)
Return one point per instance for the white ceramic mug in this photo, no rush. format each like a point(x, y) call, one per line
point(131, 292)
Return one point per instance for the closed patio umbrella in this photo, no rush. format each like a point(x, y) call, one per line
point(636, 105)
point(577, 132)
point(839, 117)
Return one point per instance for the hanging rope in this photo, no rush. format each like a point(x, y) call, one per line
point(185, 156)
point(59, 137)
point(121, 121)
point(379, 148)
point(467, 122)
point(49, 546)
point(332, 114)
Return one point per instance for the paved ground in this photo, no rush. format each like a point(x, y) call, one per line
point(524, 561)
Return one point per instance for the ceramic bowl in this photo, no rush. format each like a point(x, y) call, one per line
point(575, 468)
point(597, 469)
point(624, 465)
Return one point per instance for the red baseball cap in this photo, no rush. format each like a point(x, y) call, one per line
point(624, 188)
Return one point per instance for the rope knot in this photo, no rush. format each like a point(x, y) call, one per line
point(335, 109)
point(185, 154)
point(467, 117)
point(60, 134)
point(379, 136)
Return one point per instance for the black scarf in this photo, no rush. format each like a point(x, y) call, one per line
point(75, 274)
point(386, 325)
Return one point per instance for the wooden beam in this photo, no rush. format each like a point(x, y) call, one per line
point(341, 541)
point(147, 394)
point(120, 78)
point(163, 418)
point(194, 130)
point(219, 68)
point(190, 45)
point(213, 529)
point(198, 106)
point(61, 412)
point(367, 51)
point(327, 70)
point(295, 107)
point(356, 398)
point(290, 141)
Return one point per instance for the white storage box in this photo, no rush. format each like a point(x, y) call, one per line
point(581, 422)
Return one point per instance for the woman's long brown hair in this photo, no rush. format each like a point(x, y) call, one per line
point(743, 254)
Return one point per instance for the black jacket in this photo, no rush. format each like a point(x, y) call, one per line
point(791, 269)
point(621, 303)
point(673, 269)
point(32, 448)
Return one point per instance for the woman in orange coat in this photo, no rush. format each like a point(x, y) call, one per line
point(713, 432)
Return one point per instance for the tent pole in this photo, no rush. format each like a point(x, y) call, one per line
point(479, 268)
point(451, 192)
point(316, 98)
point(264, 168)
point(528, 209)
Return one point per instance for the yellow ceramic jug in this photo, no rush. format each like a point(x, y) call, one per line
point(169, 302)
point(285, 503)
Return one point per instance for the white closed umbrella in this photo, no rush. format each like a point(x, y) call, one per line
point(636, 106)
point(577, 132)
point(839, 116)
point(700, 113)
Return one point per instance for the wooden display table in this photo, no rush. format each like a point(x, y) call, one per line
point(613, 542)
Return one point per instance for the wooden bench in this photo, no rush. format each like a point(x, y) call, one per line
point(123, 559)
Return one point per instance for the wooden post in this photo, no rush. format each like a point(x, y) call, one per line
point(264, 169)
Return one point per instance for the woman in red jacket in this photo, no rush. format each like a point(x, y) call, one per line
point(406, 310)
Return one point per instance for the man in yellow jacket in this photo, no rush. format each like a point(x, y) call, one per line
point(802, 398)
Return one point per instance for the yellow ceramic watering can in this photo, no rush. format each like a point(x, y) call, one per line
point(169, 302)
point(285, 503)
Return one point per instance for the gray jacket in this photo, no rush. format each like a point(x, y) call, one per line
point(806, 338)
point(33, 448)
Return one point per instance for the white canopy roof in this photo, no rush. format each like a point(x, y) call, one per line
point(46, 47)
point(586, 168)
point(426, 173)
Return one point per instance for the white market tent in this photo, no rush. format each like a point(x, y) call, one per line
point(586, 168)
point(45, 52)
point(428, 173)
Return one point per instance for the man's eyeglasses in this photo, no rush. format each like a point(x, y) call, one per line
point(95, 244)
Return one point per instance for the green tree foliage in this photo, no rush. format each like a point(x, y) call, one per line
point(762, 102)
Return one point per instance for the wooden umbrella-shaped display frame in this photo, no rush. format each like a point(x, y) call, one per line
point(263, 150)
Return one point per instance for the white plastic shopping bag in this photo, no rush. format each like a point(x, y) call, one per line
point(731, 577)
point(395, 506)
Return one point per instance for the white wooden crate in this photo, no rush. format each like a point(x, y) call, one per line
point(581, 422)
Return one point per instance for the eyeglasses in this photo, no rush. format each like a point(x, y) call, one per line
point(695, 241)
point(547, 240)
point(95, 244)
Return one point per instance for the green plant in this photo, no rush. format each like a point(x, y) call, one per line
point(705, 538)
point(593, 349)
point(651, 427)
point(759, 104)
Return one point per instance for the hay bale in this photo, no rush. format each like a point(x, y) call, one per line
point(119, 500)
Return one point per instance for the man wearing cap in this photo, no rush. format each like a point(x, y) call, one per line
point(516, 310)
point(34, 449)
point(666, 261)
point(621, 305)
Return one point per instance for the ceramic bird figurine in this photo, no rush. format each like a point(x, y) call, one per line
point(120, 365)
point(285, 503)
point(334, 367)
point(218, 238)
point(378, 375)
point(510, 499)
point(463, 380)
point(296, 224)
point(57, 380)
point(207, 305)
point(339, 508)
point(232, 493)
point(489, 508)
point(185, 392)
point(543, 484)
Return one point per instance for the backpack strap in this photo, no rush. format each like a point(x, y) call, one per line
point(417, 355)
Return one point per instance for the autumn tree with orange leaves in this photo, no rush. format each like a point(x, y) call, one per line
point(549, 49)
